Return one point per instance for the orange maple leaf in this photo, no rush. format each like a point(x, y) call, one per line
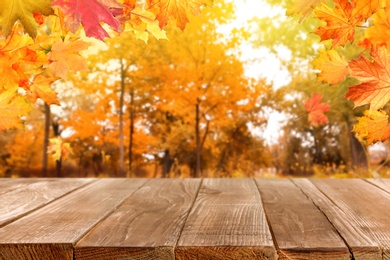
point(343, 18)
point(333, 67)
point(12, 107)
point(379, 33)
point(18, 61)
point(316, 110)
point(373, 126)
point(65, 56)
point(375, 78)
point(177, 9)
point(41, 88)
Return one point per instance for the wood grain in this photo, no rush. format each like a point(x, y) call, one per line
point(8, 184)
point(384, 184)
point(227, 221)
point(146, 226)
point(362, 247)
point(300, 229)
point(26, 196)
point(365, 204)
point(53, 229)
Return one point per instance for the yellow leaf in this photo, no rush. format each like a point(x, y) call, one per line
point(333, 67)
point(303, 7)
point(373, 126)
point(12, 107)
point(177, 9)
point(59, 149)
point(22, 10)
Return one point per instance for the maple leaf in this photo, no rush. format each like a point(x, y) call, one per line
point(379, 33)
point(58, 148)
point(19, 60)
point(375, 78)
point(316, 110)
point(373, 126)
point(41, 89)
point(65, 56)
point(12, 107)
point(176, 9)
point(340, 22)
point(333, 67)
point(303, 7)
point(22, 10)
point(89, 13)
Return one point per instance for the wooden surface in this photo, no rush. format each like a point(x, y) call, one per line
point(194, 219)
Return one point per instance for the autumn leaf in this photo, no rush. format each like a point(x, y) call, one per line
point(65, 56)
point(340, 22)
point(41, 88)
point(12, 108)
point(316, 110)
point(177, 9)
point(333, 67)
point(89, 13)
point(59, 149)
point(374, 77)
point(379, 33)
point(373, 126)
point(303, 7)
point(22, 10)
point(18, 61)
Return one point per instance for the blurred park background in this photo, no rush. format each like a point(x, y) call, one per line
point(224, 98)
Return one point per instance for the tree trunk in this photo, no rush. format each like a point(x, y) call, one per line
point(132, 115)
point(57, 132)
point(167, 163)
point(46, 141)
point(197, 138)
point(121, 139)
point(358, 153)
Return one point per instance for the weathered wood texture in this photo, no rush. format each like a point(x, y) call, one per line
point(362, 247)
point(24, 196)
point(364, 204)
point(194, 219)
point(300, 229)
point(49, 232)
point(146, 226)
point(383, 184)
point(227, 221)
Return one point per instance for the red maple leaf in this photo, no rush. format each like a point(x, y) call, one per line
point(316, 110)
point(89, 13)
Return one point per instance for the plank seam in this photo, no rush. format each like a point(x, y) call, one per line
point(375, 185)
point(45, 204)
point(345, 241)
point(102, 219)
point(267, 219)
point(186, 218)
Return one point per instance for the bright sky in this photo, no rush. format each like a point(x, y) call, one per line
point(264, 64)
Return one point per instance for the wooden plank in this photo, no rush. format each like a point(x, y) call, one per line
point(50, 232)
point(9, 184)
point(146, 226)
point(384, 184)
point(227, 221)
point(365, 204)
point(361, 246)
point(300, 229)
point(27, 196)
